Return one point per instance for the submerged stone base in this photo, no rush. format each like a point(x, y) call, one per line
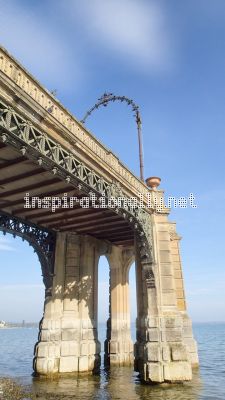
point(164, 356)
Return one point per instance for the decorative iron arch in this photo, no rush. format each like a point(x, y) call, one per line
point(42, 241)
point(110, 97)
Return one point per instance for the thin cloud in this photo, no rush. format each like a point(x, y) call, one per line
point(39, 45)
point(136, 30)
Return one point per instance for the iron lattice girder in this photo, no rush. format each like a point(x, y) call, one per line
point(38, 146)
point(42, 240)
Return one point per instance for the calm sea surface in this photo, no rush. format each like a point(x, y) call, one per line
point(16, 352)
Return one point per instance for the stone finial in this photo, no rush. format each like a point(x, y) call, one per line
point(153, 182)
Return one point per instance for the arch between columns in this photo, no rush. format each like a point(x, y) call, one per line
point(42, 241)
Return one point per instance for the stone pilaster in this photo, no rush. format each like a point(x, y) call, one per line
point(118, 345)
point(68, 332)
point(161, 354)
point(180, 294)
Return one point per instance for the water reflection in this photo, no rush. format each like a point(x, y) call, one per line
point(116, 384)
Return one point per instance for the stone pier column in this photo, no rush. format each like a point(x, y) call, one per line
point(68, 339)
point(161, 354)
point(118, 345)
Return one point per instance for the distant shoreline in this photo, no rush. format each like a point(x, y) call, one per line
point(12, 326)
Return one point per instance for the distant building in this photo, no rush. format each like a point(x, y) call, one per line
point(2, 324)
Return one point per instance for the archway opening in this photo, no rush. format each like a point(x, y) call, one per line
point(22, 294)
point(103, 302)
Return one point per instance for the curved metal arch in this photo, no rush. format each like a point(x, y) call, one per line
point(110, 97)
point(42, 241)
point(107, 97)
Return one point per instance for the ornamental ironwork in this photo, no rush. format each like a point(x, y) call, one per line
point(110, 97)
point(41, 239)
point(22, 134)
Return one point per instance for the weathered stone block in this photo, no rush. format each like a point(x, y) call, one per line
point(171, 335)
point(45, 335)
point(176, 265)
point(68, 364)
point(72, 271)
point(164, 245)
point(50, 324)
point(47, 366)
point(174, 250)
point(83, 363)
point(152, 322)
point(191, 345)
point(54, 350)
point(181, 304)
point(42, 350)
point(84, 348)
point(179, 284)
point(173, 322)
point(180, 293)
point(179, 352)
point(48, 350)
point(162, 228)
point(176, 258)
point(163, 235)
point(69, 349)
point(167, 283)
point(164, 256)
point(169, 298)
point(70, 304)
point(55, 335)
point(177, 274)
point(187, 332)
point(166, 269)
point(153, 352)
point(177, 371)
point(85, 334)
point(85, 323)
point(92, 348)
point(91, 334)
point(69, 334)
point(70, 323)
point(154, 372)
point(166, 353)
point(153, 334)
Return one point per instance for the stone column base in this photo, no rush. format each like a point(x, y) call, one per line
point(119, 352)
point(160, 352)
point(61, 351)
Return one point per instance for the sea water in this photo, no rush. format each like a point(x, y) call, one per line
point(16, 353)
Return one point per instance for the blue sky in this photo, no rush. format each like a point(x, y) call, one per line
point(169, 56)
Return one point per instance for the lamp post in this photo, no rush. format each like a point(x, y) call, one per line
point(103, 101)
